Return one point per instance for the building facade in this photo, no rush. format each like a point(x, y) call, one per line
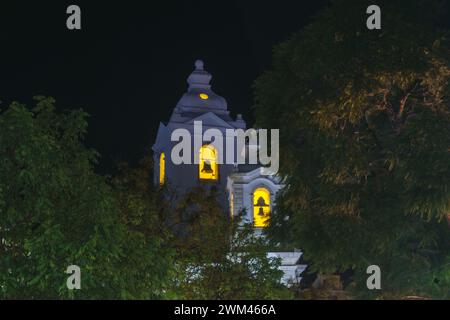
point(242, 189)
point(198, 104)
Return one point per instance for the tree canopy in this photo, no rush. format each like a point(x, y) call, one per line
point(365, 144)
point(219, 258)
point(55, 211)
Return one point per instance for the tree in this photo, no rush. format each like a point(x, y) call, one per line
point(212, 257)
point(142, 211)
point(219, 258)
point(365, 142)
point(56, 212)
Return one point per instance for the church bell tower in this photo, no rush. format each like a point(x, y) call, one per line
point(198, 103)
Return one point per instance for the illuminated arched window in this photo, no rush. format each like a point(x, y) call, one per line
point(162, 168)
point(231, 205)
point(261, 207)
point(208, 169)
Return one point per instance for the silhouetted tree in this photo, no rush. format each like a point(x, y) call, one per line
point(55, 212)
point(364, 118)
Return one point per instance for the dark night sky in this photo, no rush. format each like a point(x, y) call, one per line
point(128, 65)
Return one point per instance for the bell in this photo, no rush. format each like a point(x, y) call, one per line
point(207, 167)
point(261, 202)
point(261, 212)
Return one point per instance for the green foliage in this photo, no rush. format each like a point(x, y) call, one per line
point(55, 212)
point(218, 258)
point(365, 136)
point(142, 214)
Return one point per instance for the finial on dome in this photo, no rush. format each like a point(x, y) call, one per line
point(199, 78)
point(199, 65)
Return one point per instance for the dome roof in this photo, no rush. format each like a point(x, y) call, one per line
point(199, 96)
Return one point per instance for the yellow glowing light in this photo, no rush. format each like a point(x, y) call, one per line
point(162, 168)
point(232, 205)
point(208, 169)
point(261, 208)
point(203, 96)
